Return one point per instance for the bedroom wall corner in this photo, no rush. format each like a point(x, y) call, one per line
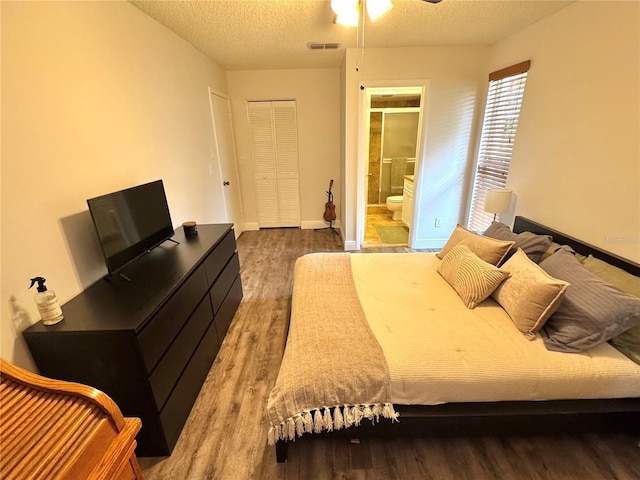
point(576, 160)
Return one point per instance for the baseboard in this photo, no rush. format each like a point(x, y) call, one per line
point(429, 243)
point(306, 225)
point(251, 226)
point(314, 224)
point(350, 245)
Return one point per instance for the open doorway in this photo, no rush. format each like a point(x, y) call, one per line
point(392, 122)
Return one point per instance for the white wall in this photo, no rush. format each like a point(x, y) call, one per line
point(456, 89)
point(576, 161)
point(343, 135)
point(96, 96)
point(317, 95)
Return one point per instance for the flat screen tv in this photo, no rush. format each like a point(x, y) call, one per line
point(131, 222)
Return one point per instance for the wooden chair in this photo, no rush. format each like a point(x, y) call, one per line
point(51, 429)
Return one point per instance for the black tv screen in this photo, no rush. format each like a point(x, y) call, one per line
point(131, 222)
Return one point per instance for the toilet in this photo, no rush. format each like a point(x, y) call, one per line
point(394, 204)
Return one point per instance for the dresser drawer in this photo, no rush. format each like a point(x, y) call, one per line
point(176, 410)
point(163, 327)
point(224, 315)
point(218, 258)
point(224, 282)
point(170, 367)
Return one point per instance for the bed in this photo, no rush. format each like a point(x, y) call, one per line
point(353, 366)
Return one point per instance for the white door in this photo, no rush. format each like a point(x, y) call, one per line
point(263, 154)
point(286, 139)
point(273, 133)
point(224, 153)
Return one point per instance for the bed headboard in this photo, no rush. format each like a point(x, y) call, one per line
point(523, 224)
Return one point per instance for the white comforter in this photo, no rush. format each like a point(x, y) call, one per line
point(476, 355)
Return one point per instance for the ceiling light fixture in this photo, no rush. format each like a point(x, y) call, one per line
point(348, 11)
point(378, 8)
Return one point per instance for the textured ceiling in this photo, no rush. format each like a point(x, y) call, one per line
point(273, 34)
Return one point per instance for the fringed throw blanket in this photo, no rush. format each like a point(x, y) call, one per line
point(333, 372)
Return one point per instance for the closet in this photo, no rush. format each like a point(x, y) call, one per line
point(273, 133)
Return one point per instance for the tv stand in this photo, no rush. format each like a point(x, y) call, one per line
point(149, 343)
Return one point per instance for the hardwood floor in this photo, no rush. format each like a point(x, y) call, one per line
point(225, 436)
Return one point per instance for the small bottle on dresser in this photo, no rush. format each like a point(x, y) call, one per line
point(47, 303)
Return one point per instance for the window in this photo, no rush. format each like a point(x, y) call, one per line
point(506, 88)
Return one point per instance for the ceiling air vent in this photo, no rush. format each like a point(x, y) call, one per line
point(322, 46)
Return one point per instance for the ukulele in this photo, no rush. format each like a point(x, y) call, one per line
point(329, 207)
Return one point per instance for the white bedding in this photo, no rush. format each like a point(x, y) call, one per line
point(476, 355)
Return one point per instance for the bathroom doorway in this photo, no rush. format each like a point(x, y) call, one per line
point(393, 116)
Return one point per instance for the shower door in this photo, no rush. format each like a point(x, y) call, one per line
point(393, 138)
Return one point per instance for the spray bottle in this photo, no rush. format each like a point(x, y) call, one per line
point(47, 303)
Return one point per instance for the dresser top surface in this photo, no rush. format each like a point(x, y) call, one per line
point(116, 304)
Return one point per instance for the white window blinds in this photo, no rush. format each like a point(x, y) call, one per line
point(506, 88)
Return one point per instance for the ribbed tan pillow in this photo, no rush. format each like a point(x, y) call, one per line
point(530, 295)
point(472, 278)
point(486, 248)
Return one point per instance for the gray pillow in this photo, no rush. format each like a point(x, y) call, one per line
point(533, 245)
point(627, 342)
point(592, 312)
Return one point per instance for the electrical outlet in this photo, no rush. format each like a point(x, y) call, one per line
point(438, 222)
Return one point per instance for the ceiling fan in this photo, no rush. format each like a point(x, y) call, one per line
point(347, 12)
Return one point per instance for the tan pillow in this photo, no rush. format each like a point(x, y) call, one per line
point(472, 278)
point(550, 251)
point(617, 277)
point(530, 295)
point(488, 249)
point(629, 343)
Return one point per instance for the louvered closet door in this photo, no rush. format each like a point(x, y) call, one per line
point(274, 146)
point(286, 136)
point(264, 162)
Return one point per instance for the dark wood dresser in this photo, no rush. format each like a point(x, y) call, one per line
point(149, 343)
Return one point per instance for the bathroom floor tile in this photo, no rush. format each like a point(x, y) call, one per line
point(377, 216)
